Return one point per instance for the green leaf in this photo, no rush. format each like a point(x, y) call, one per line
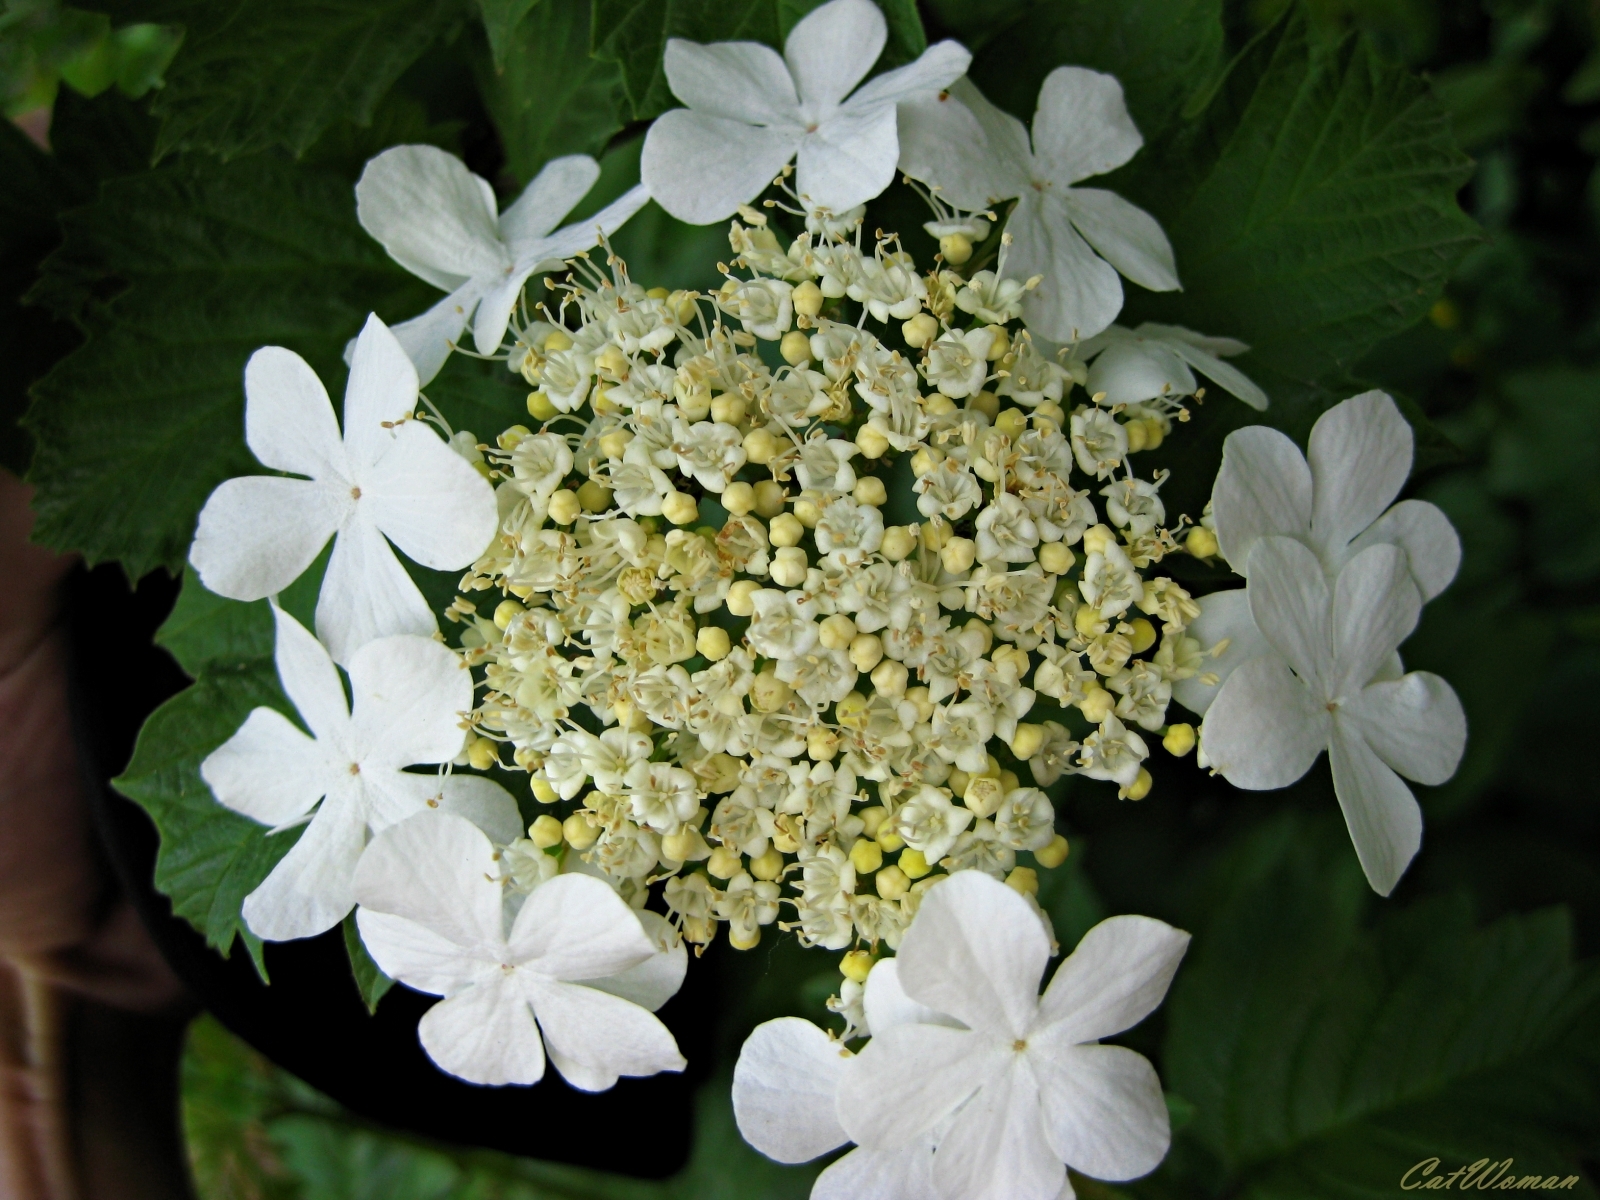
point(251, 74)
point(634, 33)
point(1162, 51)
point(204, 629)
point(1325, 1060)
point(547, 96)
point(138, 425)
point(1312, 207)
point(500, 19)
point(229, 1093)
point(371, 982)
point(211, 858)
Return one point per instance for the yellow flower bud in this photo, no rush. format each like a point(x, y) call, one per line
point(807, 512)
point(712, 642)
point(789, 567)
point(956, 248)
point(1097, 705)
point(1154, 434)
point(921, 329)
point(759, 446)
point(768, 865)
point(913, 864)
point(866, 651)
point(1050, 411)
point(938, 405)
point(795, 348)
point(539, 406)
point(918, 696)
point(1027, 741)
point(768, 693)
point(739, 594)
point(685, 846)
point(1096, 538)
point(505, 612)
point(1088, 621)
point(869, 489)
point(770, 498)
point(892, 882)
point(999, 344)
point(889, 839)
point(983, 794)
point(866, 856)
point(807, 299)
point(747, 940)
point(1202, 543)
point(898, 542)
point(837, 632)
point(1012, 422)
point(1179, 740)
point(545, 832)
point(1024, 880)
point(557, 340)
point(614, 443)
point(923, 461)
point(872, 442)
point(889, 678)
point(579, 833)
point(727, 408)
point(1137, 433)
point(724, 863)
point(1009, 780)
point(739, 498)
point(856, 965)
point(1052, 854)
point(872, 819)
point(680, 508)
point(565, 507)
point(613, 362)
point(1143, 635)
point(595, 497)
point(822, 744)
point(987, 403)
point(1056, 558)
point(958, 554)
point(1138, 789)
point(542, 791)
point(483, 754)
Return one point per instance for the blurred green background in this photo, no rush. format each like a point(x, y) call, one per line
point(1313, 1023)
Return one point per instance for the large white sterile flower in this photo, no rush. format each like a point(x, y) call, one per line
point(1331, 684)
point(441, 222)
point(1337, 499)
point(388, 478)
point(1152, 361)
point(751, 111)
point(564, 977)
point(410, 693)
point(977, 155)
point(1025, 1087)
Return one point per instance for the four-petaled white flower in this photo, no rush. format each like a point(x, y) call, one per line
point(1156, 361)
point(410, 693)
point(751, 111)
point(1337, 499)
point(1333, 684)
point(575, 970)
point(1016, 1087)
point(388, 477)
point(441, 222)
point(977, 155)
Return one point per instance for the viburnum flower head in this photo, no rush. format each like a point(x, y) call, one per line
point(387, 478)
point(1075, 239)
point(751, 111)
point(974, 1086)
point(442, 223)
point(573, 974)
point(347, 778)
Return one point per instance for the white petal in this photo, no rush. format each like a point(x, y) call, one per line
point(485, 1034)
point(863, 1174)
point(700, 168)
point(742, 81)
point(907, 1080)
point(584, 234)
point(935, 69)
point(1079, 293)
point(1126, 236)
point(576, 927)
point(415, 955)
point(656, 980)
point(1415, 724)
point(438, 870)
point(1264, 729)
point(311, 681)
point(849, 159)
point(1225, 375)
point(382, 389)
point(1375, 607)
point(1114, 979)
point(832, 48)
point(887, 1004)
point(269, 770)
point(429, 501)
point(494, 312)
point(593, 1036)
point(1426, 535)
point(428, 211)
point(308, 892)
point(1263, 489)
point(1289, 603)
point(976, 950)
point(1131, 372)
point(783, 1090)
point(554, 192)
point(1224, 616)
point(367, 594)
point(485, 803)
point(257, 534)
point(1360, 455)
point(1103, 1110)
point(1382, 815)
point(1082, 126)
point(997, 1148)
point(429, 339)
point(1188, 337)
point(972, 151)
point(409, 695)
point(288, 418)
